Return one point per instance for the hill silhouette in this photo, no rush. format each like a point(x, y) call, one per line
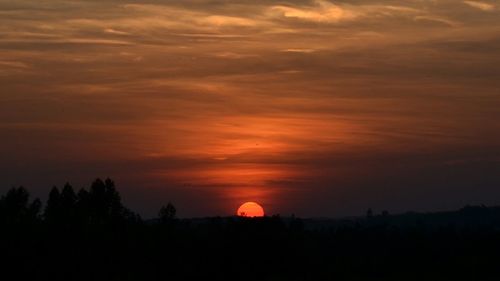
point(90, 235)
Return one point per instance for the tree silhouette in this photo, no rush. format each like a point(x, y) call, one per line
point(61, 206)
point(52, 209)
point(15, 207)
point(68, 197)
point(34, 209)
point(102, 204)
point(369, 213)
point(82, 206)
point(106, 241)
point(167, 213)
point(98, 206)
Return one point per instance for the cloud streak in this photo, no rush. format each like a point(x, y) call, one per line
point(480, 5)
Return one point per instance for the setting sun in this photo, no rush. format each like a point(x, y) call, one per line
point(250, 209)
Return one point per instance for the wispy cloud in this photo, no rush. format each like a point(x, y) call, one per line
point(480, 5)
point(14, 64)
point(322, 11)
point(114, 31)
point(437, 20)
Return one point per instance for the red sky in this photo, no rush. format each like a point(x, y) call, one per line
point(315, 108)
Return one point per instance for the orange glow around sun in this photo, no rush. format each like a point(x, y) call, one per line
point(250, 209)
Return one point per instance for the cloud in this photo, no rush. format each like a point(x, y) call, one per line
point(480, 5)
point(281, 100)
point(228, 21)
point(322, 11)
point(299, 50)
point(14, 64)
point(231, 55)
point(437, 20)
point(114, 31)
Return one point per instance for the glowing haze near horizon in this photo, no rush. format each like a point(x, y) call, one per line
point(315, 108)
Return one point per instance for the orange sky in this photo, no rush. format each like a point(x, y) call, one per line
point(310, 107)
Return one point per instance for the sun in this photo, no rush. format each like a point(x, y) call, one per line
point(250, 209)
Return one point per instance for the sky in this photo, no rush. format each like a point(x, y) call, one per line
point(316, 108)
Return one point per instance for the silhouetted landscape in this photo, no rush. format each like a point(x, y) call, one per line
point(90, 235)
point(294, 140)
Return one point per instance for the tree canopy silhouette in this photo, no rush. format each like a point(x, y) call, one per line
point(167, 213)
point(15, 207)
point(91, 235)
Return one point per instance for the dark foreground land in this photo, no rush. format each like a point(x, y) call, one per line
point(89, 235)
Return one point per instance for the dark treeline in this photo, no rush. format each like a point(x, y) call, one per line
point(90, 235)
